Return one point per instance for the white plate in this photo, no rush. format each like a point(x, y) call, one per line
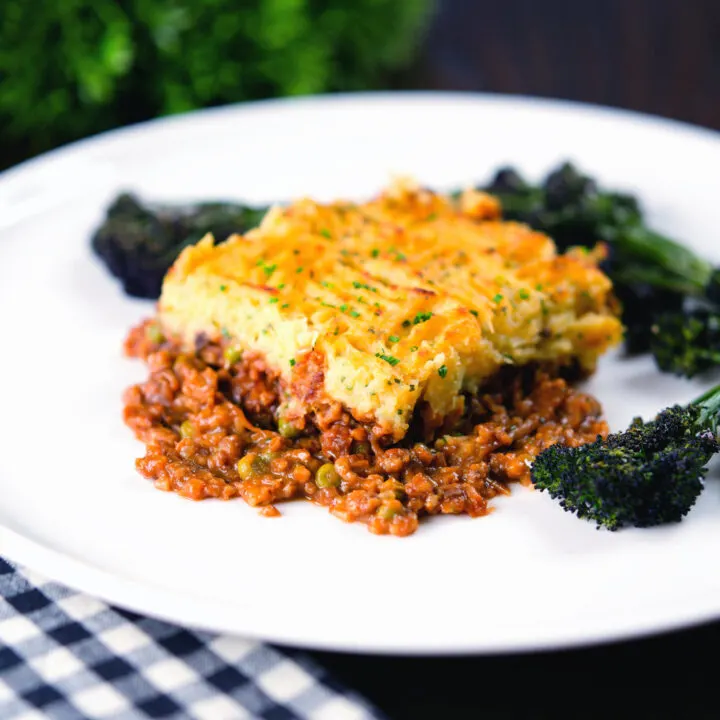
point(529, 576)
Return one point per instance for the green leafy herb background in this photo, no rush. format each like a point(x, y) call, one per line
point(76, 67)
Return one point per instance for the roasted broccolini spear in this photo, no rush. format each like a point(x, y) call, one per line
point(139, 242)
point(648, 475)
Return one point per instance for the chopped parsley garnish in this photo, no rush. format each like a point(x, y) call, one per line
point(431, 217)
point(223, 288)
point(292, 362)
point(285, 306)
point(406, 323)
point(475, 313)
point(388, 358)
point(523, 294)
point(354, 314)
point(326, 233)
point(399, 412)
point(344, 307)
point(375, 252)
point(269, 269)
point(412, 387)
point(274, 300)
point(327, 284)
point(421, 317)
point(498, 298)
point(414, 348)
point(358, 286)
point(442, 371)
point(281, 286)
point(393, 338)
point(299, 270)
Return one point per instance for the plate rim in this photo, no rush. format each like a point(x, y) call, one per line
point(34, 554)
point(378, 96)
point(117, 591)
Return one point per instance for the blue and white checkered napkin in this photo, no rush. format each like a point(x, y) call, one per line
point(66, 655)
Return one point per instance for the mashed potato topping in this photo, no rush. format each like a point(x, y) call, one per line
point(413, 297)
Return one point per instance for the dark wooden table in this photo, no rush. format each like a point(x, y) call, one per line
point(656, 56)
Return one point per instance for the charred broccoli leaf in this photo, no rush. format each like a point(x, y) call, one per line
point(648, 475)
point(138, 243)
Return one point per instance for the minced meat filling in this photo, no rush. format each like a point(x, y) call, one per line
point(209, 422)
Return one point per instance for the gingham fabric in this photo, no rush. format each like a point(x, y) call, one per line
point(66, 655)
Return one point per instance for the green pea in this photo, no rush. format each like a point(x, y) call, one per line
point(327, 476)
point(286, 428)
point(396, 488)
point(387, 512)
point(232, 354)
point(154, 334)
point(186, 429)
point(244, 467)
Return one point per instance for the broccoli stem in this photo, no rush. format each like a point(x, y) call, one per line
point(645, 256)
point(709, 405)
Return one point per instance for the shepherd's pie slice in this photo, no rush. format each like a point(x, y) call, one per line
point(410, 298)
